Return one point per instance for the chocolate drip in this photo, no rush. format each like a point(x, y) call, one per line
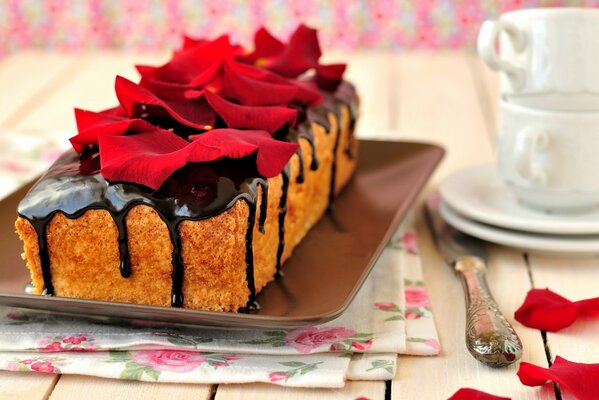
point(310, 139)
point(249, 258)
point(282, 214)
point(125, 262)
point(263, 206)
point(300, 175)
point(74, 185)
point(178, 266)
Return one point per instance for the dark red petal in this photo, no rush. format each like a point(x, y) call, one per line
point(301, 54)
point(589, 306)
point(473, 394)
point(328, 77)
point(546, 310)
point(195, 114)
point(266, 46)
point(271, 155)
point(146, 158)
point(305, 94)
point(577, 379)
point(236, 116)
point(91, 125)
point(253, 92)
point(191, 42)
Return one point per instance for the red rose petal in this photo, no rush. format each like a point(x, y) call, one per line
point(253, 92)
point(271, 155)
point(580, 380)
point(150, 157)
point(195, 114)
point(236, 116)
point(328, 77)
point(546, 310)
point(266, 46)
point(473, 394)
point(301, 54)
point(91, 125)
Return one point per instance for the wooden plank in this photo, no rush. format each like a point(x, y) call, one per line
point(30, 385)
point(455, 368)
point(575, 279)
point(90, 388)
point(26, 80)
point(260, 391)
point(371, 73)
point(487, 84)
point(91, 88)
point(439, 102)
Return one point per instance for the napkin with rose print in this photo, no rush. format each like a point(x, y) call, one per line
point(390, 315)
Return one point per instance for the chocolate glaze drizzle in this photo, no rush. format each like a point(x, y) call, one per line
point(74, 185)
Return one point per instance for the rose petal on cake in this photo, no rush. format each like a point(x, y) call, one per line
point(271, 155)
point(91, 125)
point(265, 46)
point(253, 92)
point(147, 158)
point(137, 100)
point(237, 116)
point(328, 77)
point(301, 54)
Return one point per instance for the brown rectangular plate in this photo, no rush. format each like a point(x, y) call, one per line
point(321, 278)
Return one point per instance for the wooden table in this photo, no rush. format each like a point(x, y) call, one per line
point(443, 97)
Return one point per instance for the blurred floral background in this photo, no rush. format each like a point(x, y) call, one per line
point(344, 24)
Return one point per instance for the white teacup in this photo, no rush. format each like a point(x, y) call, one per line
point(549, 57)
point(550, 159)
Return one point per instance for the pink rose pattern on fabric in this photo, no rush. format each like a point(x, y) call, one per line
point(169, 360)
point(416, 296)
point(309, 339)
point(346, 25)
point(47, 364)
point(78, 342)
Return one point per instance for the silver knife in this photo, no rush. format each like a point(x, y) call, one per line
point(489, 336)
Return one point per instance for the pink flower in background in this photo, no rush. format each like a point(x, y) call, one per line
point(27, 362)
point(416, 296)
point(55, 346)
point(277, 376)
point(304, 340)
point(169, 360)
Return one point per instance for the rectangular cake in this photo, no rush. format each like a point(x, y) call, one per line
point(196, 189)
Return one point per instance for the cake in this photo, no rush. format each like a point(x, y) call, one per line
point(196, 189)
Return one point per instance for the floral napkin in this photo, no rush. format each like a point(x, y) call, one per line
point(390, 315)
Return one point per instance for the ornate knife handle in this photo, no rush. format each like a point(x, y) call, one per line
point(489, 336)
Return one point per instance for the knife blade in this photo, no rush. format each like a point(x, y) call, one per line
point(490, 338)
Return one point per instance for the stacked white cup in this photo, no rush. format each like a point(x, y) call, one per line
point(548, 143)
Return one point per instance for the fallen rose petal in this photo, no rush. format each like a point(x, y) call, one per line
point(473, 394)
point(236, 116)
point(578, 379)
point(546, 310)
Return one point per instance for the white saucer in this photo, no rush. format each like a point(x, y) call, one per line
point(563, 244)
point(479, 194)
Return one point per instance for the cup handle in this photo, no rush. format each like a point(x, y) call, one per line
point(487, 49)
point(528, 143)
